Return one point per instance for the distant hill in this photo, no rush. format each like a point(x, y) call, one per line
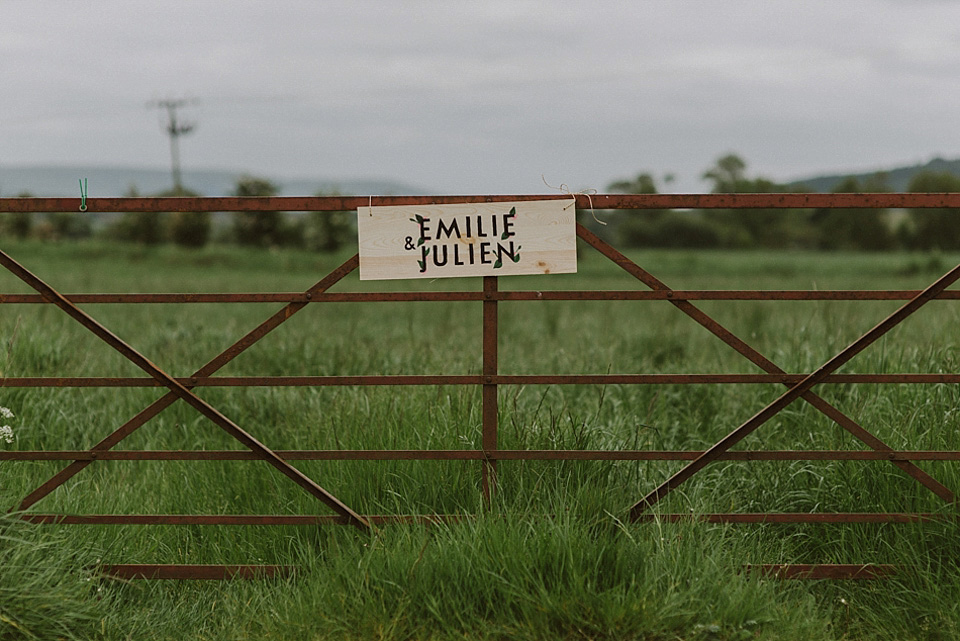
point(898, 179)
point(108, 182)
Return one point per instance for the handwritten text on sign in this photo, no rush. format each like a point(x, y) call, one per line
point(481, 239)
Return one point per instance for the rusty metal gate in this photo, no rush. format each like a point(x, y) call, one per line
point(798, 386)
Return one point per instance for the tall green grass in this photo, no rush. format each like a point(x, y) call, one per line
point(47, 587)
point(554, 556)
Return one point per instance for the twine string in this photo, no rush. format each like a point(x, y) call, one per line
point(589, 193)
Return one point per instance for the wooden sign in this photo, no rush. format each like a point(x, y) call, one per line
point(480, 239)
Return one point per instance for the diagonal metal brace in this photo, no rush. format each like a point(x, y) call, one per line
point(170, 398)
point(796, 391)
point(764, 363)
point(181, 391)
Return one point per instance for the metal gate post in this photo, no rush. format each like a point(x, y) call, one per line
point(489, 441)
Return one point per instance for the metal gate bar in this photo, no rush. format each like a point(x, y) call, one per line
point(490, 409)
point(479, 455)
point(472, 380)
point(584, 202)
point(129, 571)
point(793, 518)
point(380, 297)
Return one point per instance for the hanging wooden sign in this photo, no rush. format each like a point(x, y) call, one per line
point(478, 239)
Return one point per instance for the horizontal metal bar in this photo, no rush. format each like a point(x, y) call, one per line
point(477, 455)
point(688, 379)
point(234, 519)
point(240, 297)
point(598, 201)
point(470, 379)
point(242, 381)
point(251, 297)
point(834, 571)
point(278, 203)
point(240, 455)
point(803, 517)
point(717, 294)
point(180, 571)
point(374, 297)
point(799, 518)
point(134, 571)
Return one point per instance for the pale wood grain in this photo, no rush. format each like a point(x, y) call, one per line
point(459, 240)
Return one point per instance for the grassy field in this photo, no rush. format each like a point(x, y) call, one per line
point(555, 556)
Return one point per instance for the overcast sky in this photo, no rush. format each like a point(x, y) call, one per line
point(484, 97)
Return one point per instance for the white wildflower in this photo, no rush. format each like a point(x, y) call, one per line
point(6, 432)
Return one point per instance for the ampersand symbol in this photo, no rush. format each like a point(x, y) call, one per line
point(408, 243)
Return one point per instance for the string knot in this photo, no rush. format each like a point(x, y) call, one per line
point(589, 193)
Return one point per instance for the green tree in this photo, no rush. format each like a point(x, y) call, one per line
point(632, 227)
point(774, 228)
point(145, 228)
point(935, 228)
point(257, 228)
point(328, 231)
point(68, 225)
point(728, 175)
point(53, 226)
point(189, 229)
point(644, 183)
point(658, 227)
point(19, 223)
point(865, 229)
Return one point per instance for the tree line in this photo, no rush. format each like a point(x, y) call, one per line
point(821, 229)
point(316, 231)
point(824, 229)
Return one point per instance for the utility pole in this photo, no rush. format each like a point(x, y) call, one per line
point(175, 128)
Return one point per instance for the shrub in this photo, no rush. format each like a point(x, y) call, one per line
point(63, 225)
point(146, 228)
point(936, 228)
point(863, 229)
point(190, 228)
point(328, 231)
point(20, 224)
point(257, 228)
